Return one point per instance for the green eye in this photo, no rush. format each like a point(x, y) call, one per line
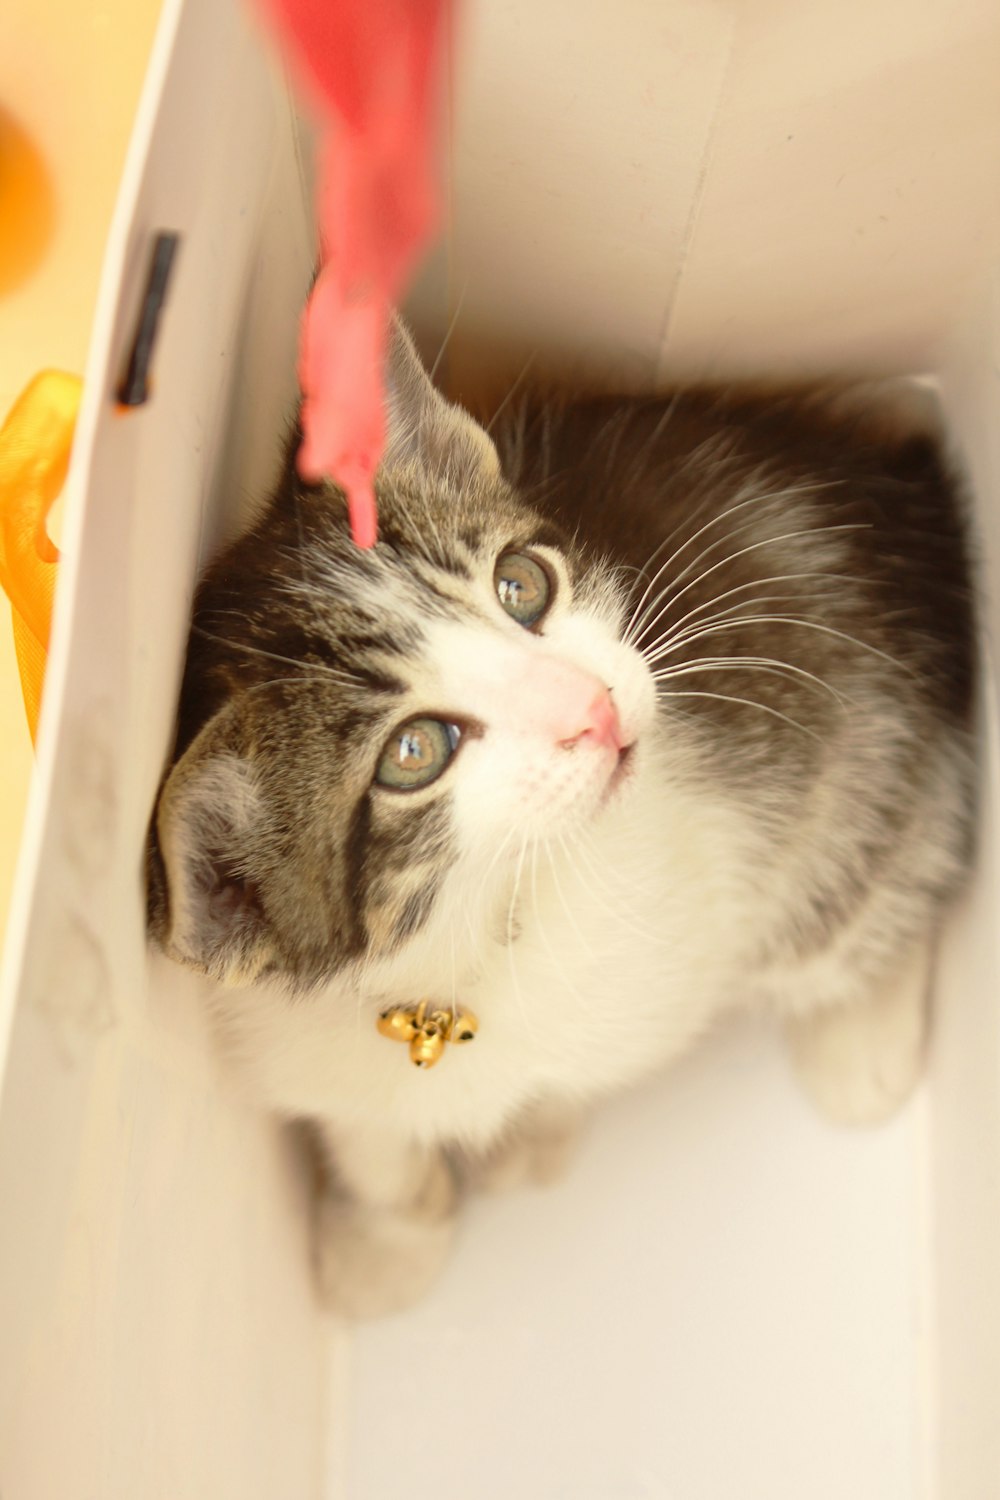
point(417, 753)
point(523, 588)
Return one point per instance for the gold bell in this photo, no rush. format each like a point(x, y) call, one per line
point(428, 1044)
point(399, 1025)
point(426, 1032)
point(463, 1027)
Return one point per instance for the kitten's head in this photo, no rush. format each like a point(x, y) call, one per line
point(365, 736)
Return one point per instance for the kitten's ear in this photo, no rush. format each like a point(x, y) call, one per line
point(424, 428)
point(204, 906)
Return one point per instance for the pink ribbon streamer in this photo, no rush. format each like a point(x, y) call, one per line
point(370, 70)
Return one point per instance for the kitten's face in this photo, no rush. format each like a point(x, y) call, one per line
point(372, 731)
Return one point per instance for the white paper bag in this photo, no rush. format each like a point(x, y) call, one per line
point(158, 1331)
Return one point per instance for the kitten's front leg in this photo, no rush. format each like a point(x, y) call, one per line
point(385, 1220)
point(861, 1061)
point(535, 1149)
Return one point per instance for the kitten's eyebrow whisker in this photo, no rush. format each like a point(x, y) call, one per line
point(433, 526)
point(623, 419)
point(259, 687)
point(517, 381)
point(309, 669)
point(449, 331)
point(532, 493)
point(662, 422)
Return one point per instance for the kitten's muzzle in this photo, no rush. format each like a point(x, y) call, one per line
point(599, 725)
point(602, 732)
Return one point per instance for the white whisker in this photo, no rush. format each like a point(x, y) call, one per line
point(482, 883)
point(652, 649)
point(559, 972)
point(510, 936)
point(752, 663)
point(562, 898)
point(748, 702)
point(695, 635)
point(785, 536)
point(609, 894)
point(751, 583)
point(454, 971)
point(757, 499)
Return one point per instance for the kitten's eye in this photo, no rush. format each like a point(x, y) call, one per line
point(523, 588)
point(417, 753)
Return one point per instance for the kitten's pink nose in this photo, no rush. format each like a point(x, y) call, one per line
point(599, 724)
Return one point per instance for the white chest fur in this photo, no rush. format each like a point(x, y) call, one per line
point(598, 962)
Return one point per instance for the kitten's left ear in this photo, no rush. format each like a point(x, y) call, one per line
point(204, 857)
point(425, 429)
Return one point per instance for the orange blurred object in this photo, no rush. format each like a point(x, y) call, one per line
point(27, 204)
point(35, 445)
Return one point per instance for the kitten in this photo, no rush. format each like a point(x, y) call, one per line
point(646, 710)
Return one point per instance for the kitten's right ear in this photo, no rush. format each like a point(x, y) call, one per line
point(204, 902)
point(425, 429)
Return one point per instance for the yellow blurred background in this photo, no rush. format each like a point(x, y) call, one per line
point(70, 76)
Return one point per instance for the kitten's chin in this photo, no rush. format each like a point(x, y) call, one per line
point(607, 786)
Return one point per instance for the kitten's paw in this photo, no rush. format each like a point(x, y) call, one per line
point(375, 1260)
point(859, 1063)
point(536, 1151)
